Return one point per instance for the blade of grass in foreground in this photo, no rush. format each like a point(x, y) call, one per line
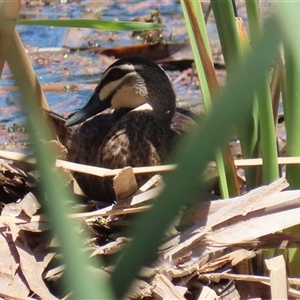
point(291, 105)
point(266, 114)
point(180, 189)
point(90, 23)
point(234, 49)
point(227, 30)
point(194, 19)
point(249, 134)
point(289, 17)
point(292, 113)
point(8, 14)
point(79, 278)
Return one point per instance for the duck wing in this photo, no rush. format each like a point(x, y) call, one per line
point(83, 142)
point(182, 121)
point(86, 138)
point(83, 145)
point(137, 139)
point(57, 123)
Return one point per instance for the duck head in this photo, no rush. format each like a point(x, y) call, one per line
point(130, 83)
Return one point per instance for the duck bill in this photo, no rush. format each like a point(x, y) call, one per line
point(93, 107)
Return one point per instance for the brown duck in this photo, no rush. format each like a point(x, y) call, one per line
point(141, 131)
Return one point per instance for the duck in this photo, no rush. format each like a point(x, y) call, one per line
point(142, 127)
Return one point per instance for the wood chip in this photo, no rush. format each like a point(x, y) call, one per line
point(11, 209)
point(29, 205)
point(111, 248)
point(54, 271)
point(155, 180)
point(146, 196)
point(207, 293)
point(163, 288)
point(138, 170)
point(278, 277)
point(275, 211)
point(232, 258)
point(247, 202)
point(139, 290)
point(125, 184)
point(216, 277)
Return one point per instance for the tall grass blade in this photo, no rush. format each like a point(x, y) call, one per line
point(228, 34)
point(91, 23)
point(209, 86)
point(79, 277)
point(180, 189)
point(292, 113)
point(288, 15)
point(8, 15)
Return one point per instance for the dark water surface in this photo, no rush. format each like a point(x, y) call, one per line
point(61, 70)
point(81, 68)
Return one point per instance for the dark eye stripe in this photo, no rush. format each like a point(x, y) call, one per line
point(113, 75)
point(116, 74)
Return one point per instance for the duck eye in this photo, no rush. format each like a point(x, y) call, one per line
point(115, 74)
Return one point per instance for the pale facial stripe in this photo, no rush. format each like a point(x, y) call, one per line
point(129, 97)
point(107, 90)
point(125, 67)
point(144, 107)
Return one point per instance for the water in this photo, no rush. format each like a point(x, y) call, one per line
point(57, 72)
point(81, 67)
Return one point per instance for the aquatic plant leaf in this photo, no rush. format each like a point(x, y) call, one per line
point(90, 23)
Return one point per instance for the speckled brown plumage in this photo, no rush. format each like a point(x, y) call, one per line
point(126, 137)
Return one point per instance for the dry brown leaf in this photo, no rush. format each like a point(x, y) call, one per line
point(11, 279)
point(31, 269)
point(44, 254)
point(14, 183)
